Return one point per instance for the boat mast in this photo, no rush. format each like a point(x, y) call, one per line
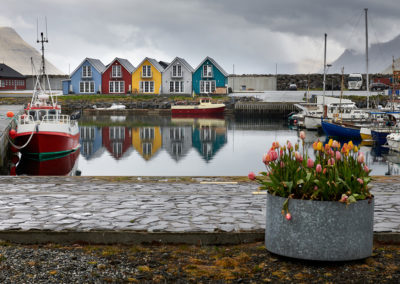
point(341, 95)
point(366, 53)
point(393, 85)
point(43, 71)
point(324, 80)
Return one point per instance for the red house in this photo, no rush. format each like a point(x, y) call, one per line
point(117, 77)
point(11, 79)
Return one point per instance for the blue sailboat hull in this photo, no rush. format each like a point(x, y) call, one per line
point(339, 130)
point(380, 136)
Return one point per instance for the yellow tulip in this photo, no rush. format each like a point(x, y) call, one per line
point(355, 149)
point(319, 146)
point(330, 142)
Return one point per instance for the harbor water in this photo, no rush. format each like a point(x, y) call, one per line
point(180, 146)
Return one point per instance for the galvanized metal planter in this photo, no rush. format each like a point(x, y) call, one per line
point(320, 230)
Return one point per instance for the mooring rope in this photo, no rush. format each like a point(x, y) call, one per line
point(16, 146)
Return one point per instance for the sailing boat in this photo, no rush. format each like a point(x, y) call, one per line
point(42, 131)
point(338, 128)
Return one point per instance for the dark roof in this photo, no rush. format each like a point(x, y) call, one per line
point(8, 72)
point(163, 64)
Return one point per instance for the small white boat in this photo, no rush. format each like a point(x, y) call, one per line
point(114, 106)
point(393, 141)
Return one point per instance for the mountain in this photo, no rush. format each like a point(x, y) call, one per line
point(16, 53)
point(379, 57)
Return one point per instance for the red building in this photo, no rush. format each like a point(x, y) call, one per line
point(117, 77)
point(11, 79)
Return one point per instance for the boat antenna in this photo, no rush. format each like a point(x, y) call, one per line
point(366, 53)
point(324, 80)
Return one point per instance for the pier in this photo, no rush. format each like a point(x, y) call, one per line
point(5, 123)
point(281, 108)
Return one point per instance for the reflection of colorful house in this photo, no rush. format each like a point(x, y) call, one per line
point(177, 140)
point(209, 136)
point(117, 140)
point(209, 77)
point(86, 78)
point(117, 77)
point(90, 140)
point(147, 141)
point(146, 79)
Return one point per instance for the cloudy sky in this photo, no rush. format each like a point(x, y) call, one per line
point(254, 36)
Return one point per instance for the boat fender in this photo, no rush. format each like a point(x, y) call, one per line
point(37, 128)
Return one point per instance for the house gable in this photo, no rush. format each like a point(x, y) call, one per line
point(215, 77)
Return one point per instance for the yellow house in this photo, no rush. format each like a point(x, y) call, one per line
point(147, 141)
point(146, 79)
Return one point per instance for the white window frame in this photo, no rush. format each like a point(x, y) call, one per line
point(86, 87)
point(146, 71)
point(146, 86)
point(86, 71)
point(116, 87)
point(207, 86)
point(177, 86)
point(116, 71)
point(177, 70)
point(207, 71)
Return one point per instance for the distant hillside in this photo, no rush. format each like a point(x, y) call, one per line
point(379, 55)
point(16, 53)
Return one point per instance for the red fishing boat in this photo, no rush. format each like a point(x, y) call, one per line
point(205, 106)
point(42, 130)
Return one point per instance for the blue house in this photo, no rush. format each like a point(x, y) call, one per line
point(86, 78)
point(209, 76)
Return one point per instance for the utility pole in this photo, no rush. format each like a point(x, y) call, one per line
point(366, 53)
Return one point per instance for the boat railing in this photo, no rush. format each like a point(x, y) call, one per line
point(26, 119)
point(57, 118)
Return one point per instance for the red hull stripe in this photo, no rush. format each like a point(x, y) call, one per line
point(198, 111)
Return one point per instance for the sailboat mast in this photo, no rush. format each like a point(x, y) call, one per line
point(366, 53)
point(324, 80)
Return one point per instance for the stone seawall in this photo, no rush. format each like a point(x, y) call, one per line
point(316, 80)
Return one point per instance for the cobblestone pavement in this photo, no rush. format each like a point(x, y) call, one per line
point(84, 203)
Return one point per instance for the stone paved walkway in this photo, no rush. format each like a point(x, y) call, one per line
point(84, 203)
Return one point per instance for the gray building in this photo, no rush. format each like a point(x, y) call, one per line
point(246, 83)
point(177, 78)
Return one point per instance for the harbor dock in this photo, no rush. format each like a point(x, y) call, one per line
point(135, 210)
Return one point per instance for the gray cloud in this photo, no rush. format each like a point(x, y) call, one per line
point(255, 35)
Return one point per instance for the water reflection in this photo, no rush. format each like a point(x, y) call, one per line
point(186, 146)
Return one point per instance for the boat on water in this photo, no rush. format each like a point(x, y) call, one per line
point(341, 129)
point(42, 130)
point(205, 106)
point(379, 131)
point(393, 141)
point(114, 106)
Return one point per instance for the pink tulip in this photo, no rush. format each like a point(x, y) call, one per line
point(282, 164)
point(360, 181)
point(366, 169)
point(318, 168)
point(344, 198)
point(302, 135)
point(288, 216)
point(360, 157)
point(315, 188)
point(324, 171)
point(289, 146)
point(332, 161)
point(338, 155)
point(298, 156)
point(310, 163)
point(252, 176)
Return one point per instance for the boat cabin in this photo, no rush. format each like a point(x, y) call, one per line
point(38, 114)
